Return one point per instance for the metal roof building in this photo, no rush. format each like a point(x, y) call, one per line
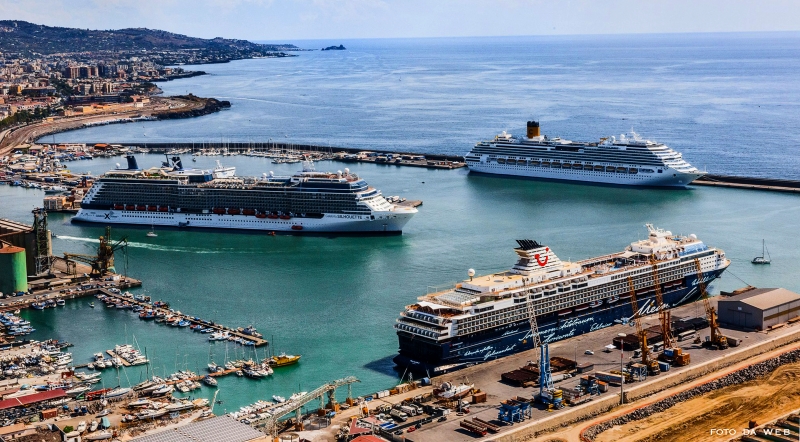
point(759, 308)
point(217, 429)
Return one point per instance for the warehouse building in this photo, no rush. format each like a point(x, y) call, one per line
point(759, 308)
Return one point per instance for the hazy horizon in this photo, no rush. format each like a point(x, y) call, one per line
point(269, 20)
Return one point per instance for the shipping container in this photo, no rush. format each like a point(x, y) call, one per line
point(663, 366)
point(608, 377)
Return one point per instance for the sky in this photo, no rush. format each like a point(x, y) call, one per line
point(292, 20)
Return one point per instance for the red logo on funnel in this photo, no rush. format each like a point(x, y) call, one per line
point(541, 262)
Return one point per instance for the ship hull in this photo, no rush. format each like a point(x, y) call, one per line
point(670, 178)
point(419, 355)
point(383, 223)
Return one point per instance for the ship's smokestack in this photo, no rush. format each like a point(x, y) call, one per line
point(533, 129)
point(132, 162)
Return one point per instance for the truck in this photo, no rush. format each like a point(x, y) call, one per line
point(411, 411)
point(398, 415)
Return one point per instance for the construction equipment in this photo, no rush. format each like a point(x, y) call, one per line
point(650, 363)
point(103, 262)
point(717, 339)
point(44, 260)
point(671, 353)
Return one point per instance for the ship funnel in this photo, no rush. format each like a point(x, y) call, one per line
point(131, 162)
point(533, 129)
point(176, 161)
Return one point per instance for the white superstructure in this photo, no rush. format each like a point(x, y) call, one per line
point(628, 160)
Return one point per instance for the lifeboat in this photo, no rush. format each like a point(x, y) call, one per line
point(118, 207)
point(218, 211)
point(272, 216)
point(535, 163)
point(163, 209)
point(130, 207)
point(501, 160)
point(577, 166)
point(141, 207)
point(610, 168)
point(581, 308)
point(152, 208)
point(555, 164)
point(622, 170)
point(248, 212)
point(599, 168)
point(595, 304)
point(285, 217)
point(566, 166)
point(522, 163)
point(297, 227)
point(587, 167)
point(261, 215)
point(233, 211)
point(613, 299)
point(545, 164)
point(633, 170)
point(565, 312)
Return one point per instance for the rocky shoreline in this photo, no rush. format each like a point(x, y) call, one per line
point(750, 373)
point(210, 106)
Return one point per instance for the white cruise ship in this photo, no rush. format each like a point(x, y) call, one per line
point(306, 202)
point(628, 160)
point(486, 317)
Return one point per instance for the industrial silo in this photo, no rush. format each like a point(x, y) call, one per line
point(13, 271)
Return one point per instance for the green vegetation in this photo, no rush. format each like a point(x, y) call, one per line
point(24, 116)
point(69, 429)
point(29, 38)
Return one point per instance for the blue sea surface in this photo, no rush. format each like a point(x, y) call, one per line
point(728, 102)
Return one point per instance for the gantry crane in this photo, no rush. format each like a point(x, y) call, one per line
point(672, 353)
point(103, 262)
point(717, 338)
point(647, 360)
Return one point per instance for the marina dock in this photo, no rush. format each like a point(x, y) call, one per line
point(192, 319)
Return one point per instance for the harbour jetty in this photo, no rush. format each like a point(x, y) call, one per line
point(236, 333)
point(742, 182)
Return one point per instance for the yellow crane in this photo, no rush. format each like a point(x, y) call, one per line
point(103, 262)
point(672, 354)
point(717, 338)
point(647, 360)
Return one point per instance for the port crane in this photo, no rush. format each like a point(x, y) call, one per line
point(717, 338)
point(647, 360)
point(672, 353)
point(547, 392)
point(103, 262)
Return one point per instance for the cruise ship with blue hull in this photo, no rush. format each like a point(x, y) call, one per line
point(487, 317)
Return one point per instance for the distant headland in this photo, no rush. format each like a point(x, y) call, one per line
point(335, 48)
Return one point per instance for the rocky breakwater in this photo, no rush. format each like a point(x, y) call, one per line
point(753, 372)
point(193, 106)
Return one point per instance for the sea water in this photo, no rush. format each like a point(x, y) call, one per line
point(334, 299)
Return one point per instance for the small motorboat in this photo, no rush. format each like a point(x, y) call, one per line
point(91, 304)
point(211, 382)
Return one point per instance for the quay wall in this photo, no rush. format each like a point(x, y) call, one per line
point(602, 405)
point(264, 146)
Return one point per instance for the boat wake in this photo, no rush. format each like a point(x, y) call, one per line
point(162, 248)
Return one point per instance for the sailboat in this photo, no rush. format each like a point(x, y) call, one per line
point(152, 233)
point(764, 252)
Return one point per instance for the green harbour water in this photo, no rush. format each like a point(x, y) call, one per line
point(334, 299)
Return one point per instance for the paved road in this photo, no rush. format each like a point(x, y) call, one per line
point(31, 132)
